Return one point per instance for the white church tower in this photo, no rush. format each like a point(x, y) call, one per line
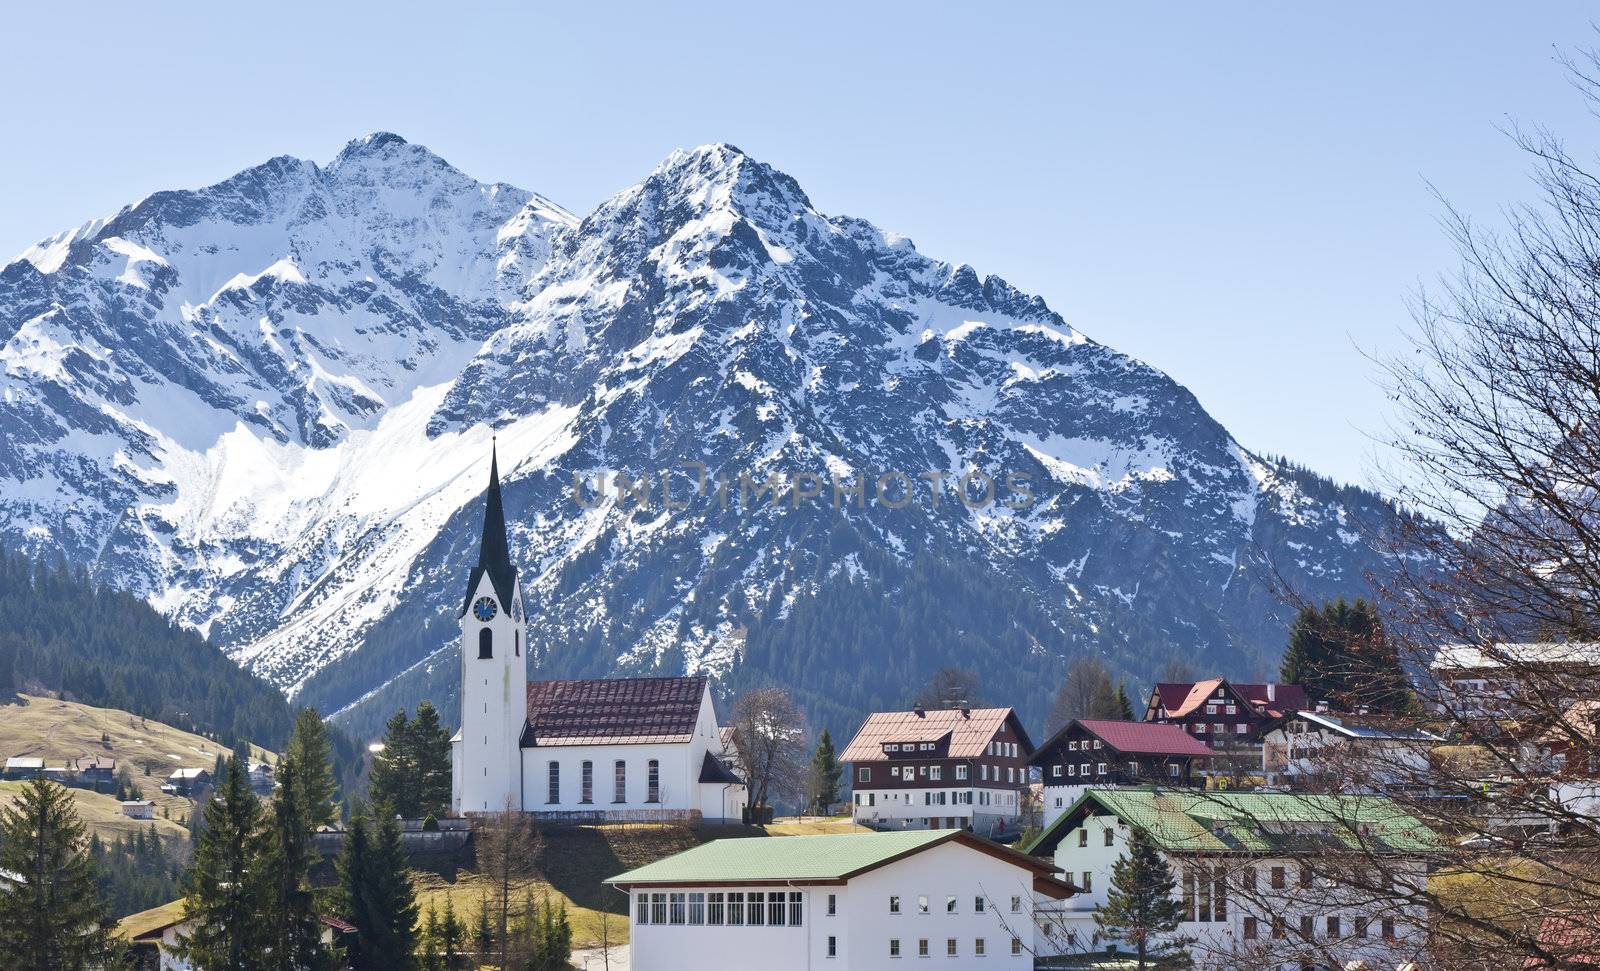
point(487, 758)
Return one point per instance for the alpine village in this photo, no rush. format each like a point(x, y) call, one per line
point(400, 572)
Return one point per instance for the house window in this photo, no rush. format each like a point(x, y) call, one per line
point(755, 910)
point(641, 914)
point(1088, 886)
point(1211, 709)
point(977, 905)
point(833, 904)
point(1083, 837)
point(863, 775)
point(1231, 710)
point(736, 909)
point(553, 779)
point(1072, 770)
point(922, 947)
point(1100, 768)
point(1305, 875)
point(1278, 929)
point(977, 947)
point(1250, 930)
point(894, 772)
point(1278, 878)
point(894, 947)
point(1083, 768)
point(485, 643)
point(1219, 893)
point(894, 905)
point(1333, 927)
point(1219, 728)
point(775, 911)
point(1307, 925)
point(714, 908)
point(950, 947)
point(677, 913)
point(697, 908)
point(1055, 770)
point(1199, 728)
point(1016, 945)
point(1361, 927)
point(586, 782)
point(1016, 905)
point(795, 910)
point(620, 793)
point(983, 772)
point(1111, 837)
point(1099, 744)
point(961, 772)
point(950, 905)
point(936, 772)
point(658, 908)
point(833, 946)
point(1388, 928)
point(891, 748)
point(922, 903)
point(652, 791)
point(1240, 728)
point(1247, 878)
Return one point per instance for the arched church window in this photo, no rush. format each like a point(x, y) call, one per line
point(485, 643)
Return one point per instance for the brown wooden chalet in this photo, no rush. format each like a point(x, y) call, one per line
point(1223, 714)
point(1101, 752)
point(937, 767)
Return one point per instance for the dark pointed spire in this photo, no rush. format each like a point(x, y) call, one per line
point(494, 553)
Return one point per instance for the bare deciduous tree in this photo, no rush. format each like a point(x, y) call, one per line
point(769, 732)
point(507, 848)
point(1086, 692)
point(950, 687)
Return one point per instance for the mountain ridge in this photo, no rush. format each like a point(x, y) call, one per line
point(386, 312)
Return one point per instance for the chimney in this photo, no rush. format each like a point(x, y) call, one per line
point(1322, 707)
point(966, 709)
point(918, 710)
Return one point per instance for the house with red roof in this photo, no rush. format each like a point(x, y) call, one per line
point(1101, 753)
point(1230, 718)
point(934, 768)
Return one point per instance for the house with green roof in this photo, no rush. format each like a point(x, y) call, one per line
point(840, 901)
point(1266, 879)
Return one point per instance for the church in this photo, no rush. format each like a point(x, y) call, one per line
point(610, 749)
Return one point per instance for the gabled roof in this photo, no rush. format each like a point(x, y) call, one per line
point(1197, 821)
point(1471, 657)
point(970, 731)
point(712, 770)
point(829, 858)
point(1179, 698)
point(1130, 738)
point(612, 711)
point(494, 554)
point(24, 762)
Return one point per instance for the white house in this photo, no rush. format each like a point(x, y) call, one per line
point(932, 768)
point(1266, 879)
point(619, 748)
point(153, 936)
point(1348, 752)
point(139, 809)
point(848, 902)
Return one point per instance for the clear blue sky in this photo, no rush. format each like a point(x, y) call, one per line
point(1236, 193)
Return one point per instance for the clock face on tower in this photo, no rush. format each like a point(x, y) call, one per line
point(484, 609)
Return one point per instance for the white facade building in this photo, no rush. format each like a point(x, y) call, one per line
point(849, 902)
point(1349, 752)
point(1251, 901)
point(639, 748)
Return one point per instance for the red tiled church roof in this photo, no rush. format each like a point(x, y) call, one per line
point(612, 711)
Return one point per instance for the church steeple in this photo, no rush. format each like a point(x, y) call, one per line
point(494, 553)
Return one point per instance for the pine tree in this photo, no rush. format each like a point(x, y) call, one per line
point(825, 773)
point(224, 893)
point(377, 896)
point(1140, 909)
point(312, 757)
point(1341, 655)
point(430, 753)
point(452, 936)
point(51, 917)
point(289, 914)
point(1124, 704)
point(394, 770)
point(431, 959)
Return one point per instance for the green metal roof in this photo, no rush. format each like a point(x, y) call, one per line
point(826, 857)
point(1197, 821)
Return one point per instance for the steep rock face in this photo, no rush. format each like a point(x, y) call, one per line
point(346, 338)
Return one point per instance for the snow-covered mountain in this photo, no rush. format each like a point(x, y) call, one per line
point(266, 405)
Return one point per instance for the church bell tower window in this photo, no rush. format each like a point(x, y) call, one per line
point(485, 643)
